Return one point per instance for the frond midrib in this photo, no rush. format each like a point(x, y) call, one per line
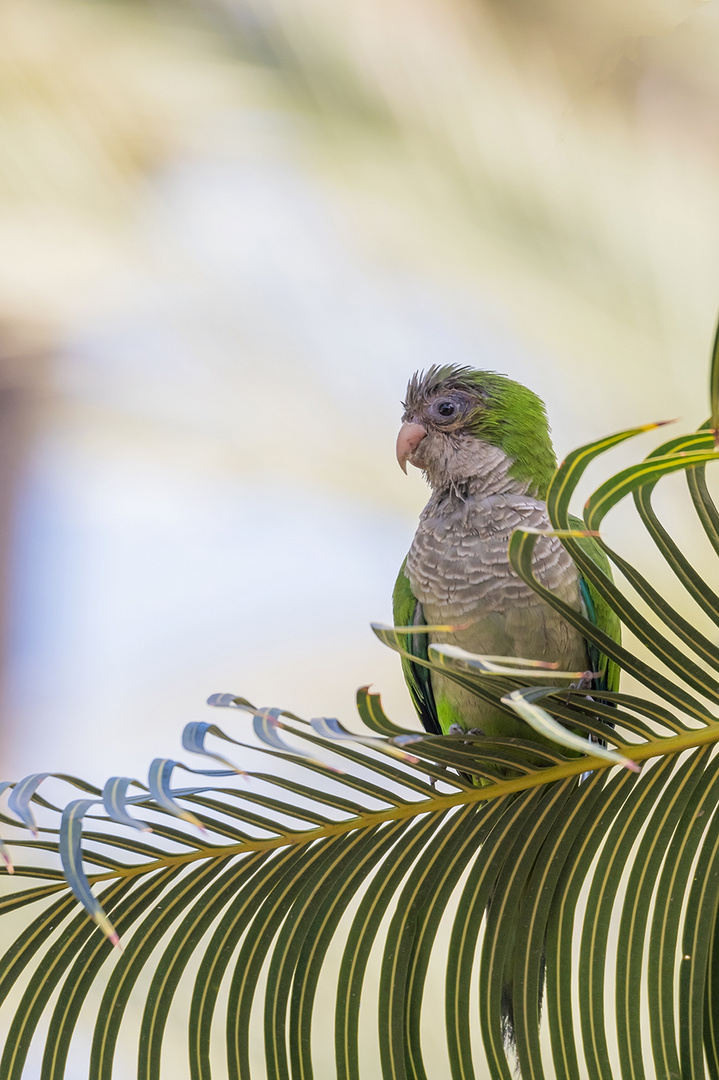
point(663, 747)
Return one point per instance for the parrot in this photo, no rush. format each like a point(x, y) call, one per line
point(483, 442)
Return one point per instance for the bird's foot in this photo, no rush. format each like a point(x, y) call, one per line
point(457, 729)
point(585, 683)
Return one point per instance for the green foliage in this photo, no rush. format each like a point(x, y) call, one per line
point(272, 889)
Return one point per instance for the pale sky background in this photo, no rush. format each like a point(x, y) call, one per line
point(240, 253)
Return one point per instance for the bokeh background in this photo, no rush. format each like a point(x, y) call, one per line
point(229, 232)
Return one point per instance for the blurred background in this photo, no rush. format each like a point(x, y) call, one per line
point(230, 231)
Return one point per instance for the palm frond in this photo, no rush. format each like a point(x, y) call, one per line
point(313, 860)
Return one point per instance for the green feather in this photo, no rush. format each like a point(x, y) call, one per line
point(515, 419)
point(598, 611)
point(407, 611)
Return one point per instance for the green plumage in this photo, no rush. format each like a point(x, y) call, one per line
point(599, 612)
point(515, 419)
point(407, 611)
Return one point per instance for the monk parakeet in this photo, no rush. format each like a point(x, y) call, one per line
point(482, 441)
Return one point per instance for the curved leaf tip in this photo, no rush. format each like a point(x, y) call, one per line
point(663, 423)
point(522, 701)
point(109, 931)
point(450, 655)
point(21, 796)
point(159, 776)
point(562, 534)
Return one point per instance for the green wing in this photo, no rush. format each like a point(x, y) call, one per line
point(407, 611)
point(599, 612)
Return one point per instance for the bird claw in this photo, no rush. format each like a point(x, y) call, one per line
point(457, 729)
point(585, 683)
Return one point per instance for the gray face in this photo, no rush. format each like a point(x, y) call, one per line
point(446, 413)
point(437, 435)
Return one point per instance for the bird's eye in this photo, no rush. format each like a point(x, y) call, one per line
point(446, 408)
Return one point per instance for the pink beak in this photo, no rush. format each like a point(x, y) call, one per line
point(409, 438)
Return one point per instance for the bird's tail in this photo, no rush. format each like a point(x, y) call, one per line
point(513, 960)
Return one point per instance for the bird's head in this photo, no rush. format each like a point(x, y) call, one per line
point(453, 414)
